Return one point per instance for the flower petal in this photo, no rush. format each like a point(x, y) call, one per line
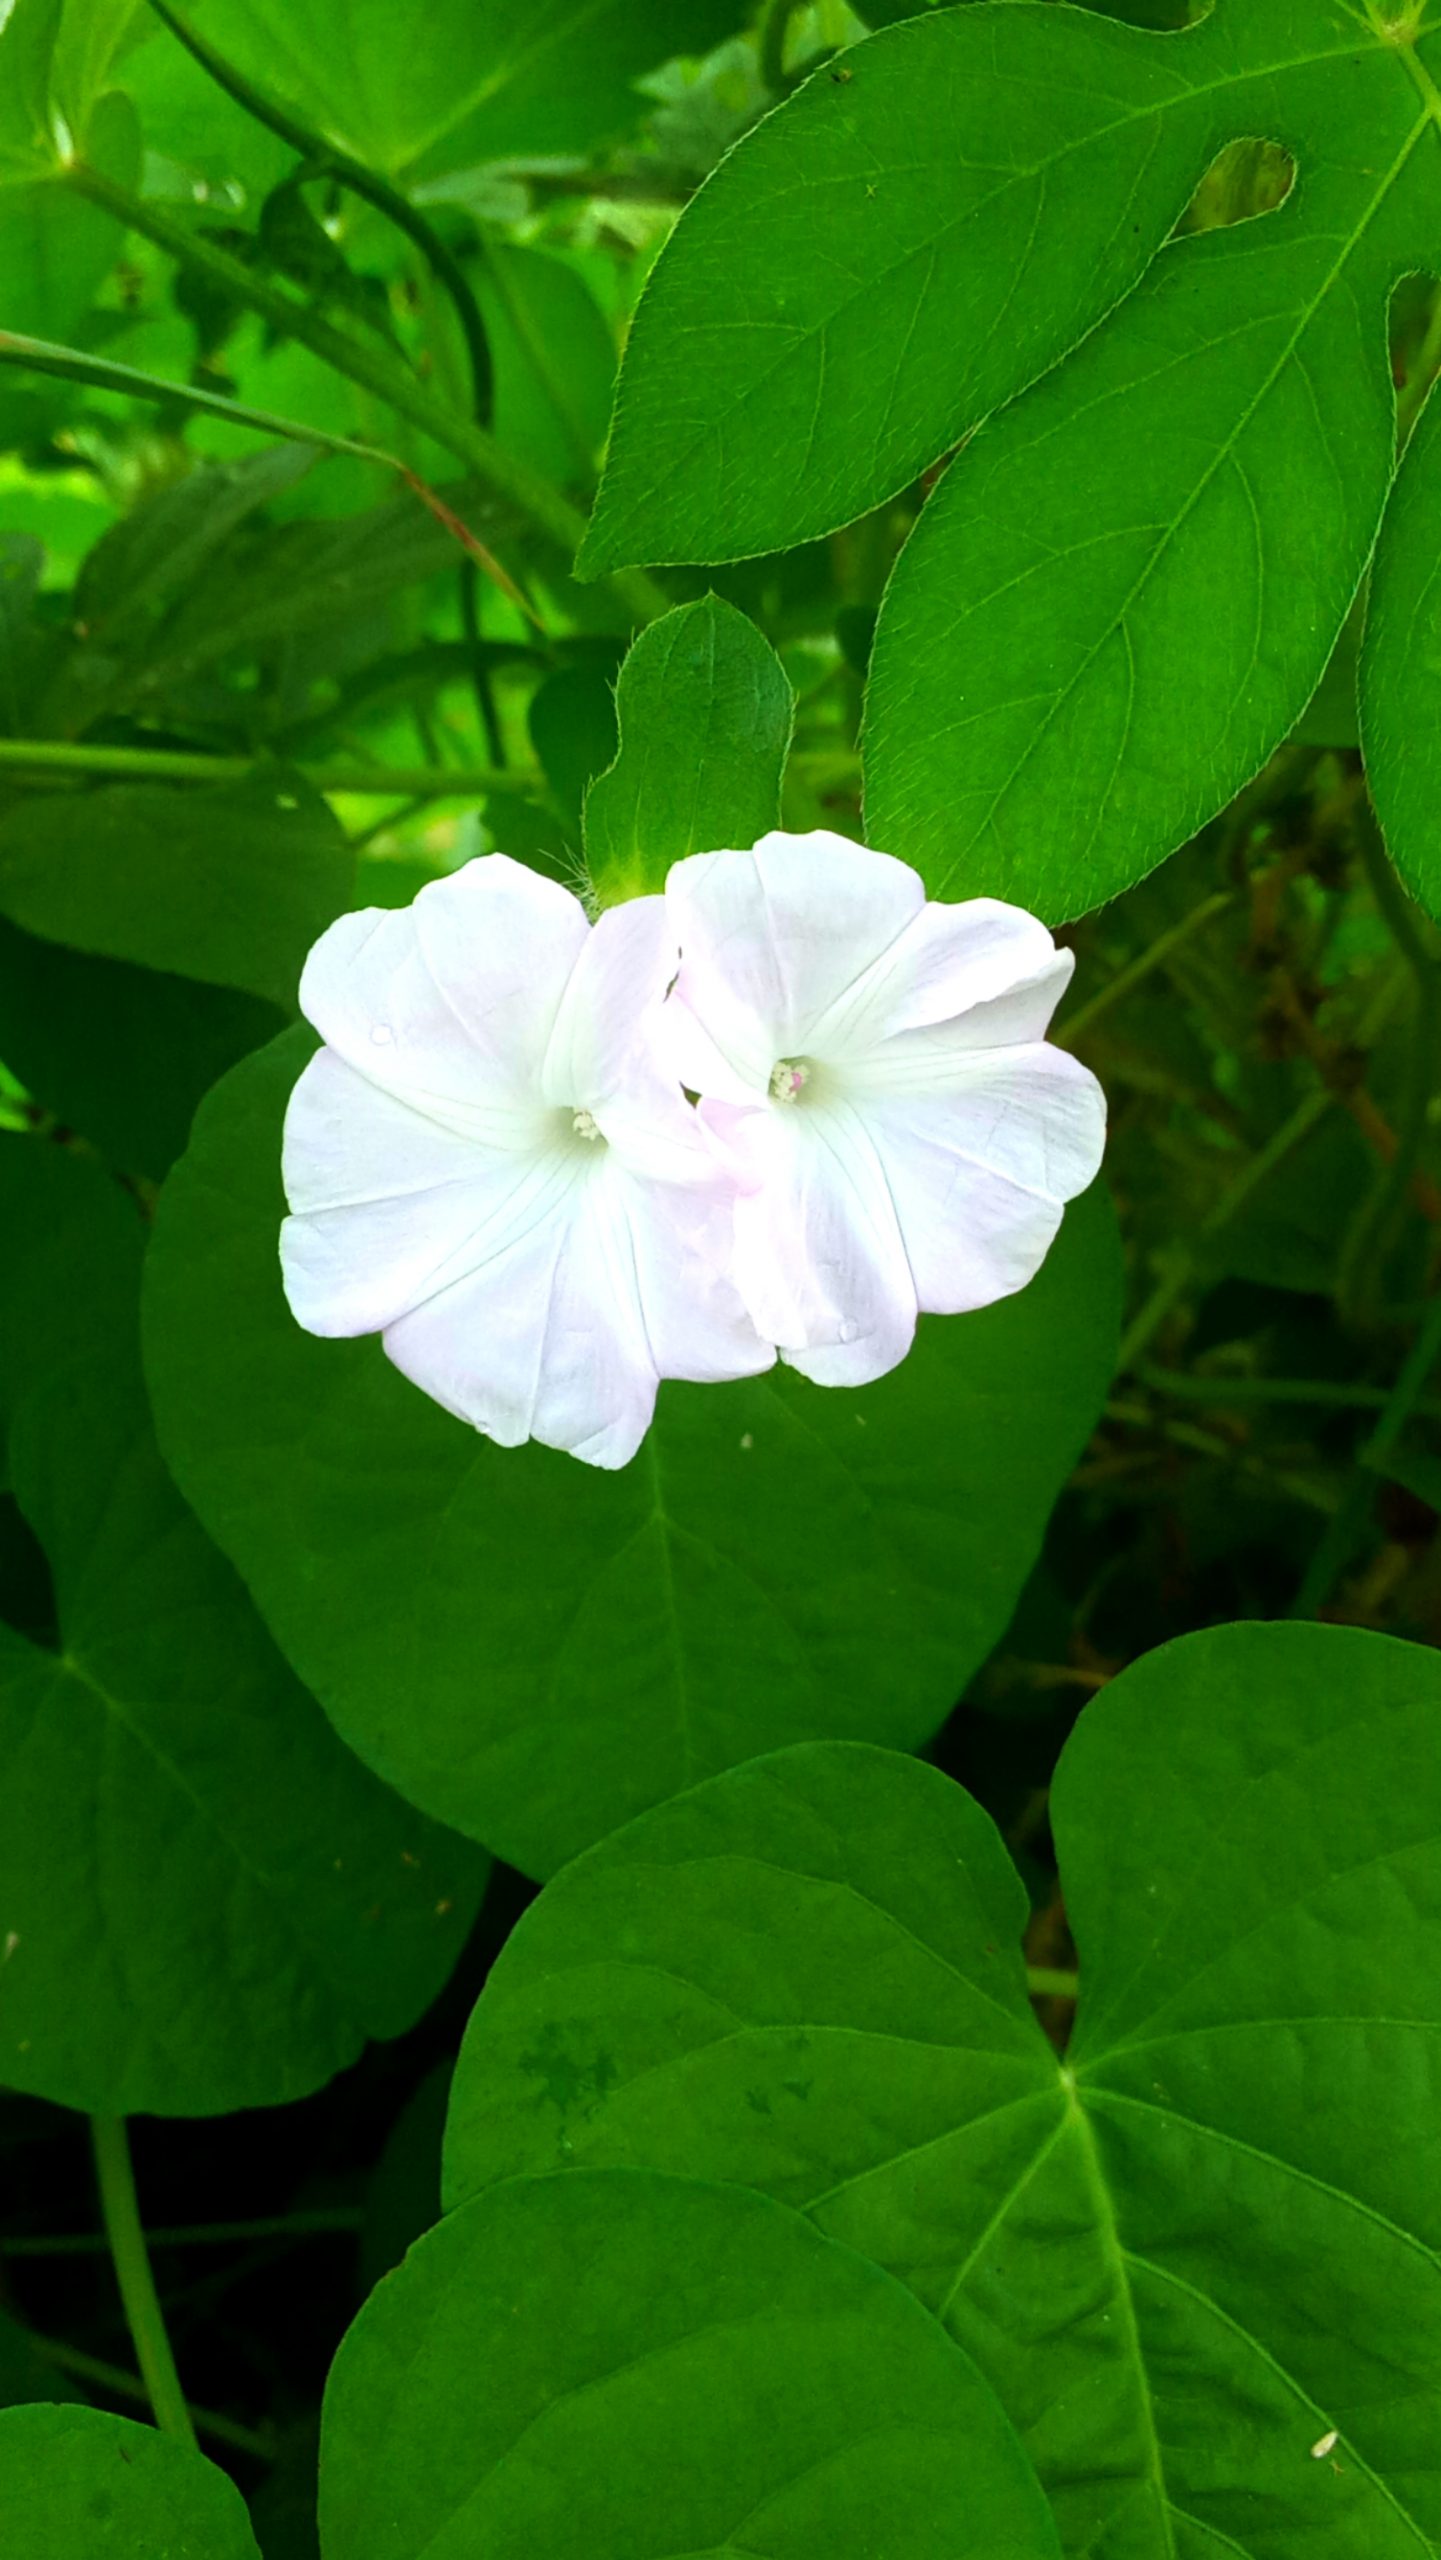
point(975, 975)
point(770, 940)
point(624, 967)
point(819, 1258)
point(562, 1335)
point(980, 1172)
point(449, 1003)
point(389, 1206)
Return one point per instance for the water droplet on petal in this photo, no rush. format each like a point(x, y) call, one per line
point(381, 1034)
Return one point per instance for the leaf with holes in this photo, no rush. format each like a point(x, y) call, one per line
point(533, 1649)
point(610, 2363)
point(705, 721)
point(204, 1902)
point(1128, 583)
point(1207, 2294)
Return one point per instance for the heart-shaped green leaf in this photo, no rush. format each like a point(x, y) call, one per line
point(205, 1903)
point(534, 1650)
point(1203, 2281)
point(612, 2363)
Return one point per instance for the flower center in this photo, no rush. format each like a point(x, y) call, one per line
point(789, 1078)
point(585, 1125)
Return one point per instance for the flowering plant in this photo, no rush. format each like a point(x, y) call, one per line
point(493, 1162)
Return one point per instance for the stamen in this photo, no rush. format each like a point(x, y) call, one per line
point(584, 1124)
point(789, 1078)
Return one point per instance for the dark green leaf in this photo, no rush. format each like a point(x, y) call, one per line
point(616, 2364)
point(533, 1649)
point(122, 1055)
point(554, 359)
point(77, 2484)
point(1182, 2255)
point(229, 885)
point(705, 721)
point(207, 1903)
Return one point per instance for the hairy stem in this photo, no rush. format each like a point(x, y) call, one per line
point(131, 2260)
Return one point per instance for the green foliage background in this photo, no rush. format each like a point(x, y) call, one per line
point(967, 2080)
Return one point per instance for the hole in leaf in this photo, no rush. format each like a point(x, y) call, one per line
point(1245, 180)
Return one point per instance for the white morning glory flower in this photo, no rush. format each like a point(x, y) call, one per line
point(488, 1165)
point(874, 1070)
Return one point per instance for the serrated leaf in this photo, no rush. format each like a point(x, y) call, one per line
point(77, 2484)
point(492, 80)
point(1182, 2256)
point(705, 723)
point(612, 2363)
point(1400, 675)
point(534, 1649)
point(231, 885)
point(204, 1902)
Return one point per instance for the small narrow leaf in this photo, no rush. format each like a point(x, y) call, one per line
point(705, 721)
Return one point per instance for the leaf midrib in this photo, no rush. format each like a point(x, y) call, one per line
point(877, 281)
point(1224, 455)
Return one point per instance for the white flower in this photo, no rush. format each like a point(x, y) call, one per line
point(489, 1167)
point(873, 1069)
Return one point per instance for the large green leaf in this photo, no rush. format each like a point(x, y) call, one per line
point(206, 1903)
point(1184, 2255)
point(614, 2364)
point(77, 2484)
point(230, 884)
point(480, 79)
point(533, 1649)
point(705, 721)
point(1127, 586)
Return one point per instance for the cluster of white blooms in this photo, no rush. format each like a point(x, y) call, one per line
point(496, 1163)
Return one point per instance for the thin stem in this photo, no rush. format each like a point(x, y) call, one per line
point(69, 364)
point(160, 764)
point(1183, 1267)
point(319, 2220)
point(775, 26)
point(376, 371)
point(1348, 1525)
point(327, 160)
point(1376, 1228)
point(121, 2214)
point(128, 2386)
point(1044, 1982)
point(1320, 1392)
point(1087, 1015)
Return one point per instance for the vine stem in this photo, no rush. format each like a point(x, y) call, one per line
point(503, 473)
point(1348, 1524)
point(160, 764)
point(128, 2386)
point(1082, 1020)
point(1044, 1983)
point(124, 2231)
